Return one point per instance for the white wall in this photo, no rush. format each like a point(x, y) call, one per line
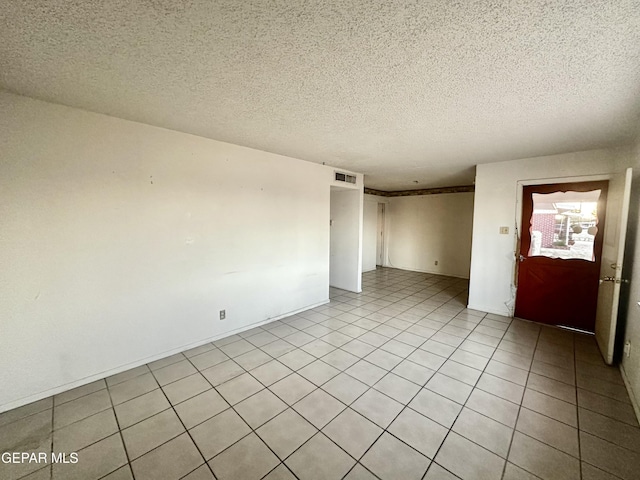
point(631, 365)
point(370, 231)
point(346, 237)
point(424, 229)
point(120, 242)
point(496, 205)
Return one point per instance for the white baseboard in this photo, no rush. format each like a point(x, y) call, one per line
point(488, 309)
point(444, 274)
point(122, 368)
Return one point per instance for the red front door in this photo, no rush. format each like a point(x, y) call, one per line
point(560, 253)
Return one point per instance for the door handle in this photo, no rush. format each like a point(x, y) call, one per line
point(522, 258)
point(613, 279)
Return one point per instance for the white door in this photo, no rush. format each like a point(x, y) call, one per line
point(380, 236)
point(611, 267)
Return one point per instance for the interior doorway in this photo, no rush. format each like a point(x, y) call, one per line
point(380, 235)
point(345, 233)
point(560, 253)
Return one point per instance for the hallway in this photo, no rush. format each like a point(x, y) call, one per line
point(398, 382)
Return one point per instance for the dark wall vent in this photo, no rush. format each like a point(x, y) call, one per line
point(345, 177)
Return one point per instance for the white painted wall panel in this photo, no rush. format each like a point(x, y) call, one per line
point(346, 239)
point(120, 242)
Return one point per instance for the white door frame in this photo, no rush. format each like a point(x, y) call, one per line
point(380, 233)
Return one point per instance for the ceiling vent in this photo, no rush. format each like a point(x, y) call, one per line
point(344, 177)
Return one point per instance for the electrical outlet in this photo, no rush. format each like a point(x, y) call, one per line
point(223, 314)
point(436, 262)
point(627, 349)
point(504, 230)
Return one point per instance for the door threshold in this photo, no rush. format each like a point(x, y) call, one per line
point(577, 330)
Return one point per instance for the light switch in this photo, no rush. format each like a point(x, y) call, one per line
point(504, 230)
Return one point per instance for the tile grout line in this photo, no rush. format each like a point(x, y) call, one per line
point(575, 392)
point(406, 405)
point(504, 469)
point(111, 408)
point(450, 429)
point(317, 388)
point(186, 430)
point(252, 430)
point(124, 445)
point(348, 406)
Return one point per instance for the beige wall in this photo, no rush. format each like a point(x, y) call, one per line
point(423, 229)
point(428, 228)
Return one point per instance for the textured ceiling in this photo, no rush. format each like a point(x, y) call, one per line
point(411, 93)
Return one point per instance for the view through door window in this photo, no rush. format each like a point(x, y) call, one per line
point(564, 225)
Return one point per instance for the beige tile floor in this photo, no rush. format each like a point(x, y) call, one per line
point(399, 382)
